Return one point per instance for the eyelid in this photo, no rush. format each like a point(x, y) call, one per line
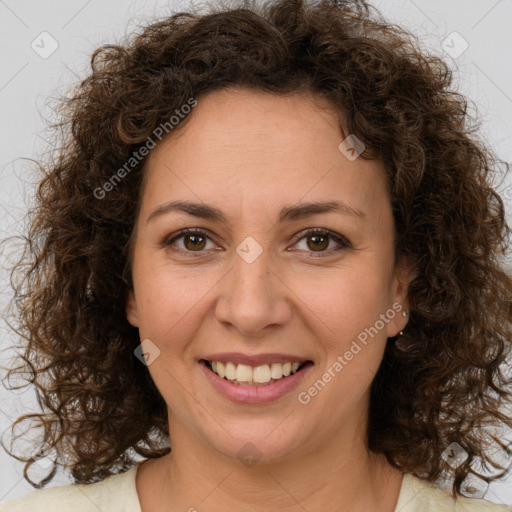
point(169, 240)
point(324, 231)
point(343, 242)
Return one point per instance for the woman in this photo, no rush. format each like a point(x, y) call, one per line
point(266, 259)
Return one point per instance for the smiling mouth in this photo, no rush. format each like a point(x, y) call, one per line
point(262, 375)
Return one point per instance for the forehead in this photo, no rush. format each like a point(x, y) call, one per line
point(261, 150)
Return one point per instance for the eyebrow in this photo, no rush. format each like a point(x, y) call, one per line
point(287, 214)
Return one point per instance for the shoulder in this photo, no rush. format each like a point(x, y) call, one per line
point(114, 494)
point(418, 495)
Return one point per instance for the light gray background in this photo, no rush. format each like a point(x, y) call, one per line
point(483, 72)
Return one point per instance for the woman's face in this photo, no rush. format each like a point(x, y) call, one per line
point(249, 286)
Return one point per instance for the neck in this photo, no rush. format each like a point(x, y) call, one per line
point(196, 477)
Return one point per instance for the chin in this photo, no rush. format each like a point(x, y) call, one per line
point(257, 445)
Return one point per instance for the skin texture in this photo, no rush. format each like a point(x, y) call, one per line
point(249, 153)
point(74, 269)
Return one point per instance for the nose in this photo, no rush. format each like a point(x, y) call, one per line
point(253, 298)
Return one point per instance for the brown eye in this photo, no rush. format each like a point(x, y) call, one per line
point(193, 240)
point(318, 241)
point(196, 241)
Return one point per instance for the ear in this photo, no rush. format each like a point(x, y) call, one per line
point(404, 273)
point(131, 310)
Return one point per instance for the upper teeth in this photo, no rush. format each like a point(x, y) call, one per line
point(259, 374)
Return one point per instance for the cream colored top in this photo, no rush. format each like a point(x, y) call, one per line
point(118, 493)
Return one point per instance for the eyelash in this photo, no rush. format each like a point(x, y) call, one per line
point(345, 244)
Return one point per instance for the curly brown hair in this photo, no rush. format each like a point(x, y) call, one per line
point(442, 383)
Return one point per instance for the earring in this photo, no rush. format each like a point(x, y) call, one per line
point(404, 313)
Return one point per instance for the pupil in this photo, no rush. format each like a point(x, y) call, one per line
point(194, 244)
point(318, 237)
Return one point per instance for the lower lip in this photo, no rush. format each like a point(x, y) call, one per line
point(254, 394)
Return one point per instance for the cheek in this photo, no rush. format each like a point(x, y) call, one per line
point(338, 302)
point(168, 298)
point(345, 301)
point(352, 338)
